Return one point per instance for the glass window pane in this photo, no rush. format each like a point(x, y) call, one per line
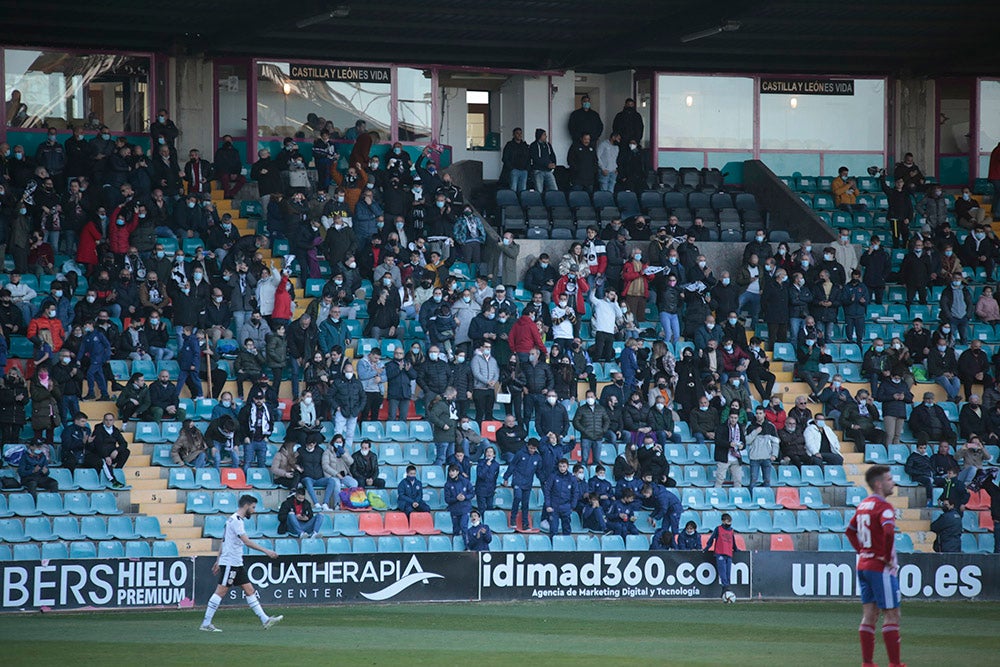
point(284, 106)
point(58, 89)
point(414, 95)
point(825, 122)
point(704, 111)
point(989, 116)
point(232, 99)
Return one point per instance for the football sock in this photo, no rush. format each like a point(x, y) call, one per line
point(890, 635)
point(867, 635)
point(254, 602)
point(213, 606)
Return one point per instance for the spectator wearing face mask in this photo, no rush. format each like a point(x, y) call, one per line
point(822, 443)
point(894, 396)
point(980, 250)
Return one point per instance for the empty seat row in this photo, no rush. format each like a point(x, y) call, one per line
point(56, 504)
point(77, 550)
point(41, 529)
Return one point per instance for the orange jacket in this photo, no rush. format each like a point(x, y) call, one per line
point(54, 326)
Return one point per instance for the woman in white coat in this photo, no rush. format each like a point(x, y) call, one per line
point(822, 443)
point(266, 287)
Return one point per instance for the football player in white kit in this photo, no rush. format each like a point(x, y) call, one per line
point(229, 566)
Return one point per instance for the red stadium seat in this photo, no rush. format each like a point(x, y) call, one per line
point(489, 430)
point(422, 523)
point(782, 543)
point(788, 497)
point(234, 478)
point(986, 521)
point(371, 523)
point(397, 524)
point(980, 500)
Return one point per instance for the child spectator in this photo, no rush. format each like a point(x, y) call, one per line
point(478, 535)
point(630, 483)
point(411, 493)
point(664, 506)
point(689, 540)
point(592, 516)
point(723, 539)
point(34, 470)
point(560, 498)
point(580, 482)
point(74, 442)
point(520, 474)
point(621, 517)
point(463, 462)
point(458, 493)
point(487, 472)
point(600, 488)
point(663, 540)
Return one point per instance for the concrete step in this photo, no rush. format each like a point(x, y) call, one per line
point(156, 496)
point(180, 520)
point(201, 546)
point(156, 508)
point(147, 484)
point(181, 532)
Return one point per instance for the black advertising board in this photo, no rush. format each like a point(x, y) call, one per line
point(352, 578)
point(796, 575)
point(97, 584)
point(607, 575)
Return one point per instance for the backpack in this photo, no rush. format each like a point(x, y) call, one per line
point(13, 455)
point(354, 499)
point(376, 502)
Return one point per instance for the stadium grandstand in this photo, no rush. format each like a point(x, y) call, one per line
point(235, 234)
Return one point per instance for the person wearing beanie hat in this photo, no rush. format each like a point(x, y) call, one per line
point(543, 161)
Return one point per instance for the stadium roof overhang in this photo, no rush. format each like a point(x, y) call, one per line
point(912, 37)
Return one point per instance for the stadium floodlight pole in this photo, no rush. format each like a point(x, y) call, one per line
point(341, 11)
point(728, 26)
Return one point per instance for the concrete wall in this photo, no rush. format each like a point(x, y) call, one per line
point(193, 105)
point(913, 122)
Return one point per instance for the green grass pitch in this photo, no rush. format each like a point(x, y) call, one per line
point(529, 633)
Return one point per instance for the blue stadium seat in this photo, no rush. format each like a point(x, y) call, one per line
point(224, 502)
point(104, 503)
point(171, 430)
point(612, 543)
point(497, 521)
point(789, 476)
point(64, 478)
point(563, 542)
point(813, 476)
point(22, 504)
point(827, 542)
point(897, 455)
point(267, 525)
point(260, 478)
point(701, 454)
point(94, 528)
point(808, 521)
point(346, 523)
point(397, 431)
point(836, 475)
point(199, 502)
point(421, 430)
point(718, 499)
point(694, 498)
point(338, 545)
point(364, 545)
point(589, 542)
point(66, 528)
point(137, 550)
point(182, 478)
point(208, 478)
point(286, 547)
point(120, 528)
point(51, 504)
point(82, 550)
point(855, 495)
point(26, 552)
point(812, 498)
point(39, 529)
point(514, 542)
point(763, 498)
point(54, 551)
point(78, 504)
point(876, 454)
point(215, 525)
point(784, 521)
point(904, 543)
point(695, 475)
point(676, 454)
point(165, 549)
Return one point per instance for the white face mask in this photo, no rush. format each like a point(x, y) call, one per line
point(580, 475)
point(349, 374)
point(591, 400)
point(552, 400)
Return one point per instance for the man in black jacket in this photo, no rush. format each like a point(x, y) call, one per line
point(229, 168)
point(582, 162)
point(267, 173)
point(928, 421)
point(365, 467)
point(296, 517)
point(107, 450)
point(510, 438)
point(303, 340)
point(543, 162)
point(585, 121)
point(917, 272)
point(628, 123)
point(973, 368)
point(516, 160)
point(948, 526)
point(541, 277)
